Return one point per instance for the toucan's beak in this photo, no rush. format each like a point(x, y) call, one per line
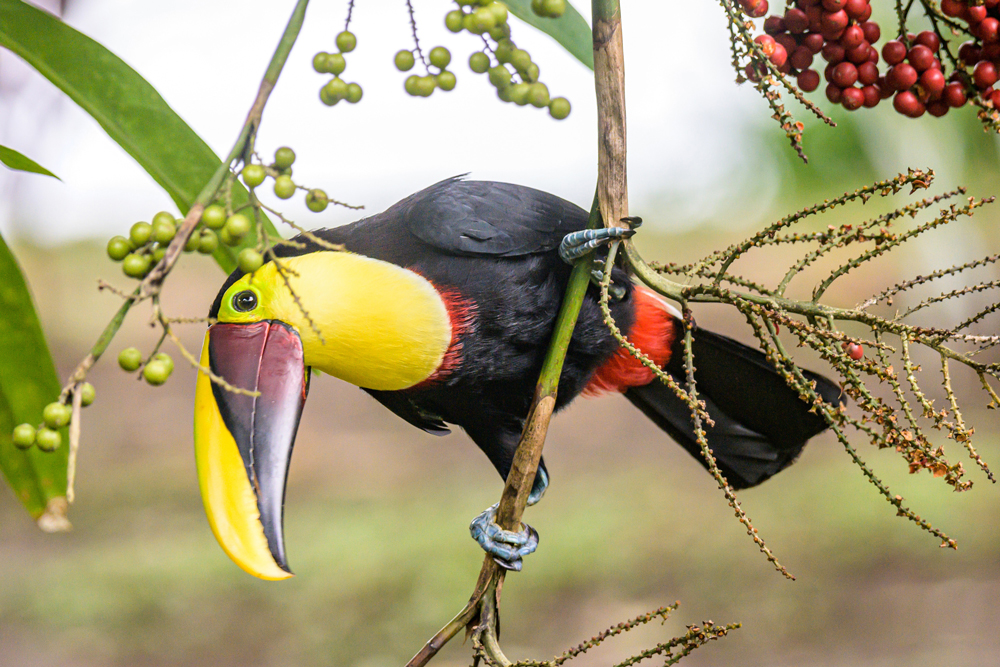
point(243, 443)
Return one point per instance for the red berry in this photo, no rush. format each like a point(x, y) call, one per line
point(953, 8)
point(852, 98)
point(969, 52)
point(815, 16)
point(856, 8)
point(907, 104)
point(754, 8)
point(796, 21)
point(993, 97)
point(859, 54)
point(872, 31)
point(833, 93)
point(779, 56)
point(852, 37)
point(813, 41)
point(894, 52)
point(975, 14)
point(921, 57)
point(937, 108)
point(844, 75)
point(833, 53)
point(808, 80)
point(766, 43)
point(801, 58)
point(865, 15)
point(774, 25)
point(872, 55)
point(828, 72)
point(954, 94)
point(833, 5)
point(901, 77)
point(834, 23)
point(886, 90)
point(867, 73)
point(988, 30)
point(788, 42)
point(872, 95)
point(929, 39)
point(985, 74)
point(933, 82)
point(855, 351)
point(753, 72)
point(989, 52)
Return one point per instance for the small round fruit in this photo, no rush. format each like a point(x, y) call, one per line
point(335, 64)
point(316, 200)
point(87, 394)
point(118, 248)
point(440, 57)
point(208, 242)
point(336, 88)
point(159, 253)
point(479, 62)
point(855, 351)
point(559, 108)
point(353, 95)
point(499, 11)
point(538, 95)
point(284, 188)
point(24, 436)
point(56, 415)
point(453, 20)
point(130, 359)
point(411, 84)
point(284, 157)
point(238, 225)
point(48, 440)
point(446, 80)
point(226, 238)
point(249, 260)
point(165, 358)
point(346, 41)
point(192, 243)
point(319, 62)
point(327, 98)
point(404, 60)
point(499, 76)
point(156, 372)
point(164, 231)
point(556, 8)
point(135, 265)
point(140, 233)
point(214, 216)
point(253, 175)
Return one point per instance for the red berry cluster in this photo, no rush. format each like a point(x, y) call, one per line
point(915, 76)
point(983, 53)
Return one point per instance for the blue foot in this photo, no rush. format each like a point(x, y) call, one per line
point(577, 244)
point(506, 546)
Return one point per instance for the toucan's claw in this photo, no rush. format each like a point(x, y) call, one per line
point(506, 546)
point(577, 244)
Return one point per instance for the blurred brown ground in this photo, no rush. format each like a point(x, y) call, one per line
point(376, 518)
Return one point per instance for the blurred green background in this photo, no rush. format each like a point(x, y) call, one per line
point(376, 512)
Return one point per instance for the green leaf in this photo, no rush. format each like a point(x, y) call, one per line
point(570, 29)
point(19, 162)
point(122, 102)
point(28, 382)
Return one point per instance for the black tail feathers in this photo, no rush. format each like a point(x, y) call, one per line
point(761, 424)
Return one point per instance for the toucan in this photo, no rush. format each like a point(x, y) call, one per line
point(442, 308)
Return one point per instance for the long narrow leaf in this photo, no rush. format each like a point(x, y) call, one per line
point(122, 102)
point(20, 162)
point(570, 29)
point(28, 381)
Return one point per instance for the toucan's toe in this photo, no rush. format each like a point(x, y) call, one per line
point(507, 547)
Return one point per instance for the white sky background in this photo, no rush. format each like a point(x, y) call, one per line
point(686, 116)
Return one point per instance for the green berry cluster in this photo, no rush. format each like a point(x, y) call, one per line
point(55, 416)
point(336, 89)
point(511, 70)
point(552, 9)
point(145, 245)
point(157, 369)
point(422, 86)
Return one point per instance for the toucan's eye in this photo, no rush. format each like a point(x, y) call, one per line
point(245, 301)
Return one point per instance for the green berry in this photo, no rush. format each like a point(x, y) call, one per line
point(226, 238)
point(164, 216)
point(499, 11)
point(249, 260)
point(192, 243)
point(538, 96)
point(404, 60)
point(335, 89)
point(500, 31)
point(208, 242)
point(136, 265)
point(214, 216)
point(553, 8)
point(426, 86)
point(327, 98)
point(504, 51)
point(87, 394)
point(284, 187)
point(159, 253)
point(140, 233)
point(521, 60)
point(559, 108)
point(238, 225)
point(130, 359)
point(118, 248)
point(316, 200)
point(253, 175)
point(156, 372)
point(500, 76)
point(479, 62)
point(453, 20)
point(24, 436)
point(479, 21)
point(532, 73)
point(284, 157)
point(411, 84)
point(319, 62)
point(56, 415)
point(335, 63)
point(440, 57)
point(445, 80)
point(354, 94)
point(166, 360)
point(164, 231)
point(346, 41)
point(519, 93)
point(48, 440)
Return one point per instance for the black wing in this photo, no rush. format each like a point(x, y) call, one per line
point(400, 403)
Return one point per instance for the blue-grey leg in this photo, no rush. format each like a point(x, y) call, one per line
point(506, 546)
point(577, 244)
